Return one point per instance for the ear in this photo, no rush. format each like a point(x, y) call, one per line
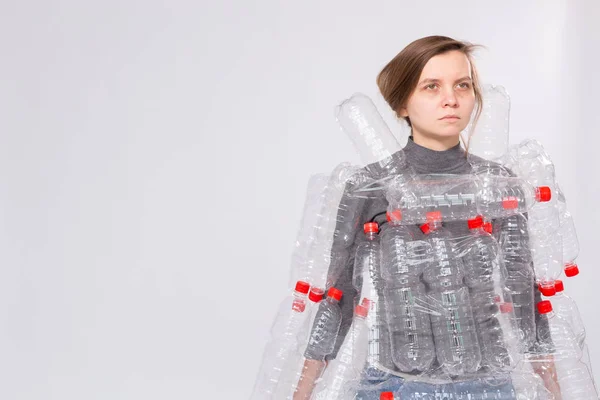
point(402, 112)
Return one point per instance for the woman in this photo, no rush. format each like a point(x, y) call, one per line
point(433, 85)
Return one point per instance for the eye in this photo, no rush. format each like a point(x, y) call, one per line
point(464, 85)
point(431, 86)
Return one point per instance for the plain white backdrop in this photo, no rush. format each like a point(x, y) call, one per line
point(154, 158)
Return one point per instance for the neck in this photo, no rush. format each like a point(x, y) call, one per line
point(437, 144)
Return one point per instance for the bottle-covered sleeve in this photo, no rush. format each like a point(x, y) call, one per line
point(351, 214)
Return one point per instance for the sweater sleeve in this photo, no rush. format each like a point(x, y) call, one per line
point(351, 215)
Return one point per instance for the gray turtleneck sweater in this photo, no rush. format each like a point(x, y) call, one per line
point(423, 161)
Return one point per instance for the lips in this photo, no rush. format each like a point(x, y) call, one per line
point(451, 117)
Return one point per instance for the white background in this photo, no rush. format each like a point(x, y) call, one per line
point(154, 158)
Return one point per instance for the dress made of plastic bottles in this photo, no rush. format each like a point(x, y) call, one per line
point(456, 343)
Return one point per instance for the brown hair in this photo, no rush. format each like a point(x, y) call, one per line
point(399, 78)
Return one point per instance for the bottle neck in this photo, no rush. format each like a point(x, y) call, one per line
point(435, 225)
point(371, 236)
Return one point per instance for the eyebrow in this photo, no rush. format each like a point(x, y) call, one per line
point(428, 80)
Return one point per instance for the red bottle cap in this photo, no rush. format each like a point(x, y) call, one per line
point(316, 294)
point(395, 215)
point(371, 227)
point(543, 194)
point(366, 302)
point(488, 227)
point(302, 287)
point(434, 216)
point(559, 285)
point(425, 229)
point(506, 307)
point(361, 310)
point(335, 293)
point(571, 270)
point(544, 307)
point(547, 289)
point(475, 223)
point(510, 203)
point(386, 396)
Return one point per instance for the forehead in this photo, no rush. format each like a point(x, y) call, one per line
point(447, 66)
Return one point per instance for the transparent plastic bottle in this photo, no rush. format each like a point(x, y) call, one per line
point(405, 295)
point(292, 370)
point(456, 344)
point(512, 236)
point(569, 236)
point(566, 307)
point(282, 342)
point(372, 138)
point(557, 337)
point(574, 377)
point(485, 280)
point(326, 326)
point(461, 197)
point(342, 375)
point(368, 282)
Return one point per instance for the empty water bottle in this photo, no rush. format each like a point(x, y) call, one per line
point(512, 236)
point(342, 376)
point(325, 327)
point(282, 342)
point(368, 282)
point(565, 307)
point(405, 299)
point(294, 365)
point(557, 337)
point(456, 344)
point(489, 298)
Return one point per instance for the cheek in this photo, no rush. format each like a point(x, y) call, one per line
point(422, 108)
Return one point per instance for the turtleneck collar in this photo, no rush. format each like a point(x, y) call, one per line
point(427, 161)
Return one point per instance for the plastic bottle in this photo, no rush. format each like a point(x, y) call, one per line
point(368, 282)
point(512, 236)
point(282, 342)
point(557, 337)
point(456, 343)
point(489, 300)
point(565, 307)
point(461, 197)
point(326, 326)
point(574, 378)
point(372, 138)
point(292, 370)
point(335, 226)
point(405, 295)
point(569, 236)
point(342, 376)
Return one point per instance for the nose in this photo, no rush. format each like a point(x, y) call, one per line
point(450, 99)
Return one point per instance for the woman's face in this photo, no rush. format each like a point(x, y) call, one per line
point(442, 103)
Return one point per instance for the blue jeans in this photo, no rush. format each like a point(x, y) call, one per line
point(489, 389)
